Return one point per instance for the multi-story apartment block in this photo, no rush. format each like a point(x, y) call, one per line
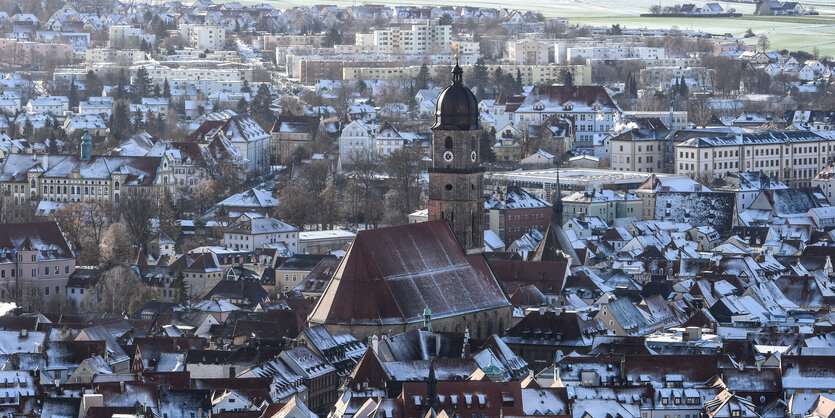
point(35, 259)
point(208, 79)
point(666, 76)
point(641, 146)
point(23, 53)
point(128, 37)
point(614, 52)
point(795, 157)
point(425, 38)
point(204, 37)
point(531, 74)
point(528, 52)
point(113, 55)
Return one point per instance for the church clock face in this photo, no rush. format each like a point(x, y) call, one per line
point(473, 156)
point(448, 156)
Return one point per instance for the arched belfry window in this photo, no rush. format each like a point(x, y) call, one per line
point(448, 143)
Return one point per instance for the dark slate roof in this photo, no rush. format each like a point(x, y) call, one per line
point(547, 276)
point(714, 209)
point(45, 237)
point(405, 269)
point(61, 407)
point(554, 328)
point(296, 124)
point(249, 291)
point(302, 261)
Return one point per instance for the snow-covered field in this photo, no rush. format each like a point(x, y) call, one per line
point(784, 32)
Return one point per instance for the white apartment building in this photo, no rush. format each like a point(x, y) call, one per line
point(208, 80)
point(112, 55)
point(795, 157)
point(204, 37)
point(48, 105)
point(528, 52)
point(418, 39)
point(356, 137)
point(615, 52)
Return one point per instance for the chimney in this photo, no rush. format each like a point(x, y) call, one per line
point(375, 343)
point(90, 400)
point(465, 350)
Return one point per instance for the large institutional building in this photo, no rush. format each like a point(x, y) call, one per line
point(795, 157)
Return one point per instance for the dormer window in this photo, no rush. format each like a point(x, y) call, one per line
point(567, 106)
point(539, 106)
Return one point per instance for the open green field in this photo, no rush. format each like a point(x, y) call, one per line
point(789, 32)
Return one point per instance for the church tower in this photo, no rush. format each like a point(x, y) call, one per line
point(456, 182)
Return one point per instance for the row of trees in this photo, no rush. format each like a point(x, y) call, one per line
point(376, 190)
point(106, 234)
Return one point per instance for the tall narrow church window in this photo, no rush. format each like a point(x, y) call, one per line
point(448, 143)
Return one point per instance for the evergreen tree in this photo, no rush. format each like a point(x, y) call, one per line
point(160, 125)
point(333, 37)
point(422, 80)
point(138, 121)
point(633, 86)
point(242, 105)
point(412, 102)
point(52, 146)
point(93, 85)
point(498, 77)
point(245, 87)
point(518, 80)
point(485, 146)
point(361, 85)
point(28, 129)
point(567, 78)
point(73, 95)
point(157, 92)
point(141, 83)
point(480, 77)
point(182, 287)
point(682, 87)
point(121, 123)
point(166, 89)
point(259, 107)
point(168, 216)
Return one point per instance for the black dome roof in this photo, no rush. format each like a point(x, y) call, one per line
point(456, 108)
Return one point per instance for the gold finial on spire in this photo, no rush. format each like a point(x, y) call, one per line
point(457, 56)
